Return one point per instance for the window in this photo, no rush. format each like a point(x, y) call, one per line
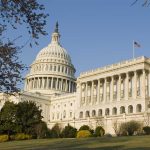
point(122, 109)
point(130, 109)
point(93, 113)
point(114, 111)
point(81, 115)
point(100, 113)
point(138, 108)
point(87, 114)
point(54, 68)
point(107, 111)
point(64, 114)
point(70, 114)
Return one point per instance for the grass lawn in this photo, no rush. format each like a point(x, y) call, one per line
point(104, 143)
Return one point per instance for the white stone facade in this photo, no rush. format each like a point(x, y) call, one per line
point(119, 92)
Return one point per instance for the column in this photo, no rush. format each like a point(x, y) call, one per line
point(135, 85)
point(98, 91)
point(61, 85)
point(127, 86)
point(112, 89)
point(119, 88)
point(66, 86)
point(25, 84)
point(92, 92)
point(56, 83)
point(86, 100)
point(80, 86)
point(104, 92)
point(52, 83)
point(69, 86)
point(143, 84)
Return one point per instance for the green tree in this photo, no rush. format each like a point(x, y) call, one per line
point(41, 130)
point(28, 116)
point(15, 13)
point(8, 118)
point(84, 127)
point(99, 131)
point(55, 131)
point(69, 132)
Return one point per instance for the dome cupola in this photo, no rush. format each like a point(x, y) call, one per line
point(52, 71)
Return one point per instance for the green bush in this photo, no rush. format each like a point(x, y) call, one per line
point(55, 132)
point(41, 130)
point(99, 131)
point(3, 138)
point(83, 134)
point(129, 128)
point(69, 132)
point(22, 136)
point(85, 127)
point(146, 130)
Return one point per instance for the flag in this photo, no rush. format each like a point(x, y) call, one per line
point(137, 45)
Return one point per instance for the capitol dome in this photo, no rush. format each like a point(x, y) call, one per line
point(52, 71)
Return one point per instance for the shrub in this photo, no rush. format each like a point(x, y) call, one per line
point(84, 127)
point(41, 130)
point(83, 134)
point(3, 138)
point(146, 130)
point(69, 132)
point(22, 136)
point(99, 131)
point(129, 128)
point(55, 132)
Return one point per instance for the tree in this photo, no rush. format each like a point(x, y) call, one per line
point(8, 118)
point(41, 130)
point(146, 130)
point(130, 127)
point(84, 127)
point(69, 132)
point(24, 117)
point(99, 131)
point(144, 2)
point(10, 68)
point(15, 13)
point(27, 12)
point(55, 131)
point(28, 116)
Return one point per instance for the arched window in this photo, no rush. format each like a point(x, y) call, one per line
point(107, 111)
point(138, 108)
point(130, 109)
point(81, 114)
point(87, 114)
point(100, 112)
point(93, 113)
point(114, 111)
point(122, 109)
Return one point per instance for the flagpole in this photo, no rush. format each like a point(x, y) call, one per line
point(133, 50)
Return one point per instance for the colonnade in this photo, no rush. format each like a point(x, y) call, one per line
point(116, 87)
point(52, 83)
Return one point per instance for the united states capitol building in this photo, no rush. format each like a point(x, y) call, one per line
point(118, 92)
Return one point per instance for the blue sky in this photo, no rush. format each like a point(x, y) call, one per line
point(94, 32)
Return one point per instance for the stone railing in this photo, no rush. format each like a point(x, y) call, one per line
point(115, 66)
